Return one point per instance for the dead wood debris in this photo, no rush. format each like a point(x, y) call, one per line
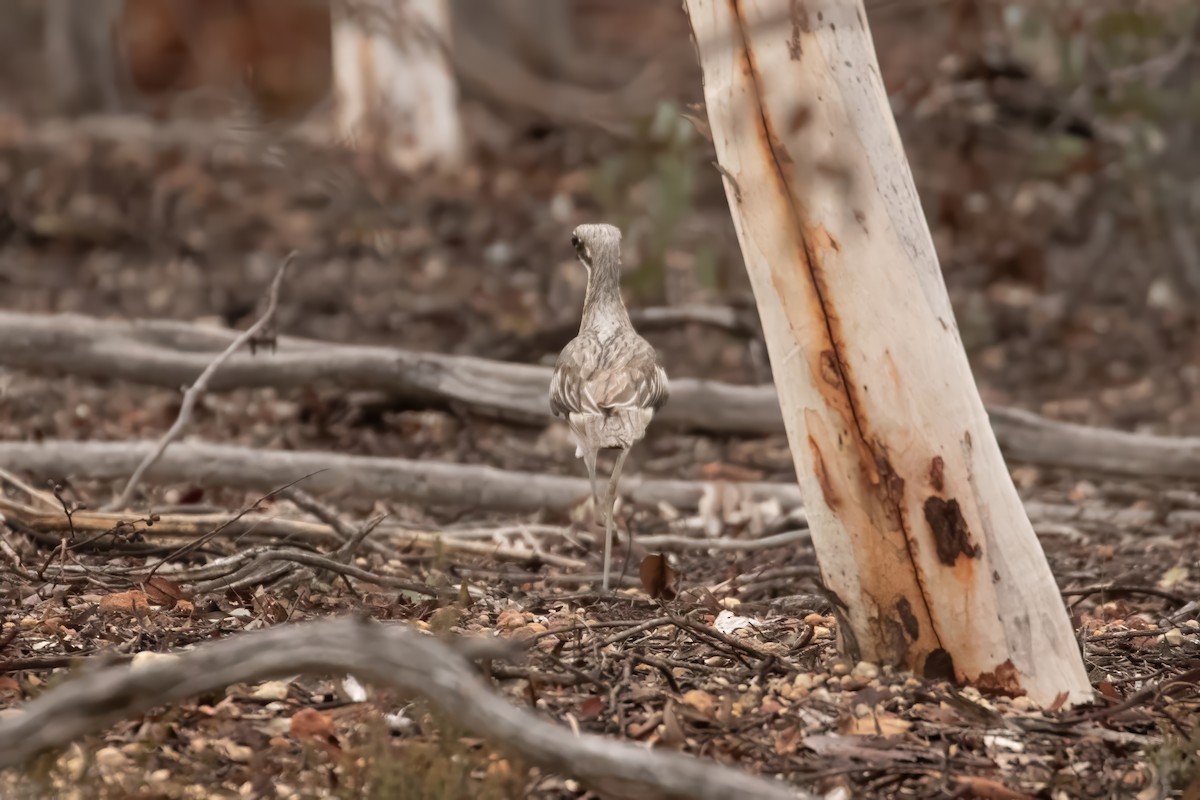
point(153, 353)
point(743, 682)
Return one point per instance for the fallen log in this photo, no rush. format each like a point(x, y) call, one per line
point(391, 656)
point(173, 354)
point(431, 483)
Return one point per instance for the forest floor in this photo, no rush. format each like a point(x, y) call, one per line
point(740, 666)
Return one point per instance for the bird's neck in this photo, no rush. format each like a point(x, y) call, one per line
point(603, 309)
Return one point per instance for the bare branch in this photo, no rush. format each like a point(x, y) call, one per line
point(392, 656)
point(198, 388)
point(433, 483)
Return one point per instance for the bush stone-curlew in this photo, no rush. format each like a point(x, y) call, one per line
point(607, 382)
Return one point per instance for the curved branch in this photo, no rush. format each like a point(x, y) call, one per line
point(392, 656)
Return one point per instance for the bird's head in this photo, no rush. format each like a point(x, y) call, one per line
point(597, 244)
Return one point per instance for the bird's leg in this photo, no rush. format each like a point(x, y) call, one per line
point(610, 522)
point(589, 460)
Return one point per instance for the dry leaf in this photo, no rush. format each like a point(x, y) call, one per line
point(989, 789)
point(658, 579)
point(710, 601)
point(1173, 577)
point(131, 601)
point(499, 770)
point(510, 619)
point(728, 622)
point(165, 592)
point(701, 701)
point(9, 688)
point(639, 729)
point(787, 742)
point(308, 723)
point(673, 735)
point(591, 707)
point(354, 690)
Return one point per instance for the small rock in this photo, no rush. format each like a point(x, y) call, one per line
point(233, 751)
point(840, 668)
point(110, 760)
point(147, 658)
point(728, 622)
point(1023, 703)
point(1174, 637)
point(822, 695)
point(805, 681)
point(271, 690)
point(865, 671)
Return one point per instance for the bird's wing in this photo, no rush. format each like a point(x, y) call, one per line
point(592, 379)
point(567, 384)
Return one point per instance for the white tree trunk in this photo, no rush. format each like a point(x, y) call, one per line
point(394, 86)
point(917, 525)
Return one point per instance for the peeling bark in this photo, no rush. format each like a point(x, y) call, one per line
point(909, 520)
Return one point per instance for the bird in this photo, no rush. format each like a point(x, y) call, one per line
point(607, 382)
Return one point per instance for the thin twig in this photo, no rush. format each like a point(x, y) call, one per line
point(198, 388)
point(1121, 588)
point(36, 494)
point(675, 542)
point(683, 621)
point(351, 545)
point(649, 624)
point(327, 514)
point(1149, 633)
point(190, 546)
point(321, 562)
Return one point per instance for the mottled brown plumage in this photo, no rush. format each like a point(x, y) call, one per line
point(607, 383)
